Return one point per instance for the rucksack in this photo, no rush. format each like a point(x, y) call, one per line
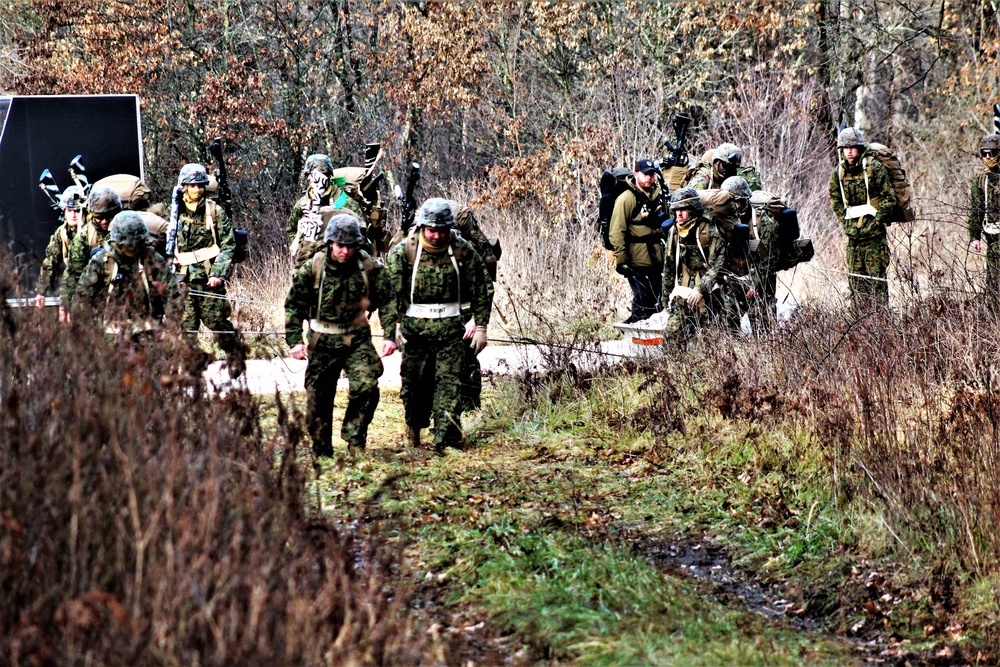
point(725, 214)
point(135, 194)
point(613, 183)
point(903, 210)
point(794, 250)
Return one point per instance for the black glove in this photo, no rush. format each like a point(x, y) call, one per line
point(623, 269)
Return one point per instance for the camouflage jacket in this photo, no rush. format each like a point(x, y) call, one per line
point(468, 227)
point(695, 261)
point(984, 205)
point(312, 227)
point(436, 283)
point(343, 297)
point(634, 230)
point(56, 254)
point(764, 262)
point(126, 288)
point(193, 234)
point(90, 238)
point(703, 178)
point(879, 188)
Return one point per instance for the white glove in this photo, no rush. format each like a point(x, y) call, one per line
point(695, 298)
point(479, 339)
point(470, 329)
point(400, 341)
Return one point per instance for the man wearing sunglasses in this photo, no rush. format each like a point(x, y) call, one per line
point(984, 210)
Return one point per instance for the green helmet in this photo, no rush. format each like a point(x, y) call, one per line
point(104, 201)
point(435, 212)
point(319, 161)
point(990, 142)
point(851, 137)
point(193, 174)
point(73, 198)
point(728, 154)
point(687, 199)
point(738, 186)
point(128, 229)
point(343, 229)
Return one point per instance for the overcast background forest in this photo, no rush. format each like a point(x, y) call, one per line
point(519, 106)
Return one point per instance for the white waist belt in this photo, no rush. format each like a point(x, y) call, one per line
point(327, 328)
point(199, 255)
point(854, 212)
point(991, 228)
point(434, 311)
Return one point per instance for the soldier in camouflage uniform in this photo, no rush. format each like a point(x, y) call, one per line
point(636, 239)
point(432, 273)
point(862, 196)
point(984, 210)
point(128, 282)
point(323, 194)
point(57, 253)
point(103, 205)
point(726, 162)
point(334, 291)
point(757, 295)
point(200, 244)
point(695, 255)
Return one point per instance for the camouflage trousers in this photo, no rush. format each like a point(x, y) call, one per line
point(761, 310)
point(213, 312)
point(868, 258)
point(364, 368)
point(992, 244)
point(684, 320)
point(472, 379)
point(431, 386)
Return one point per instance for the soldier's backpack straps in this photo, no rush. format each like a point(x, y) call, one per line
point(367, 265)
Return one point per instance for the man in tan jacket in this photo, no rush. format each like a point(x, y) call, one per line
point(636, 238)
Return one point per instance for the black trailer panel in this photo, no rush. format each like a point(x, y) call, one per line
point(47, 132)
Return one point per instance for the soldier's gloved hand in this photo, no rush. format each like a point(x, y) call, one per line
point(470, 329)
point(214, 281)
point(751, 294)
point(300, 352)
point(479, 339)
point(64, 316)
point(623, 269)
point(695, 298)
point(388, 347)
point(976, 246)
point(39, 301)
point(400, 341)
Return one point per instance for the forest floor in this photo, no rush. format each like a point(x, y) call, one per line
point(560, 536)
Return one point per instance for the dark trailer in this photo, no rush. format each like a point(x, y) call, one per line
point(47, 132)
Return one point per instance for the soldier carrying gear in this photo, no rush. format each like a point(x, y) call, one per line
point(333, 293)
point(984, 210)
point(71, 203)
point(103, 204)
point(695, 255)
point(863, 198)
point(433, 273)
point(726, 161)
point(201, 242)
point(323, 194)
point(131, 283)
point(636, 239)
point(759, 298)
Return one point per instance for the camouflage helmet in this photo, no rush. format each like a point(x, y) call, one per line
point(319, 161)
point(104, 200)
point(738, 186)
point(990, 142)
point(343, 229)
point(73, 198)
point(193, 174)
point(686, 199)
point(851, 137)
point(728, 154)
point(435, 212)
point(128, 229)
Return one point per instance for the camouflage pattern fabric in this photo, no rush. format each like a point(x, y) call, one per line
point(867, 249)
point(432, 364)
point(986, 191)
point(468, 227)
point(762, 278)
point(343, 302)
point(868, 258)
point(704, 178)
point(472, 372)
point(124, 297)
point(704, 274)
point(313, 231)
point(54, 262)
point(90, 237)
point(213, 312)
point(431, 374)
point(192, 234)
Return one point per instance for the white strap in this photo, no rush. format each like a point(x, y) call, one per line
point(320, 326)
point(413, 275)
point(199, 255)
point(434, 311)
